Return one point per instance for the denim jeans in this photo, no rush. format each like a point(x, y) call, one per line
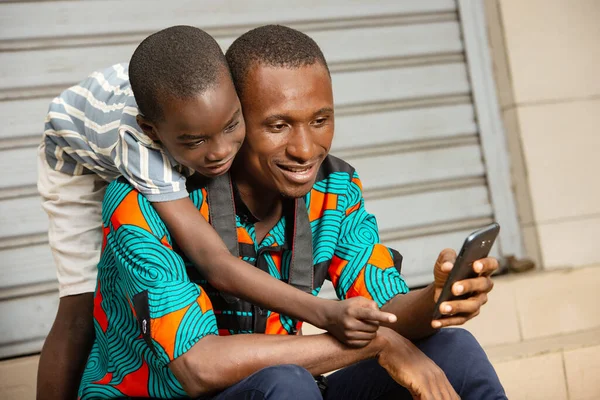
point(454, 350)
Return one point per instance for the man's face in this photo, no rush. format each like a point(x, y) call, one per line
point(289, 126)
point(203, 132)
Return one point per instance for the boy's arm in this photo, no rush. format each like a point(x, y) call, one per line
point(208, 253)
point(206, 250)
point(204, 362)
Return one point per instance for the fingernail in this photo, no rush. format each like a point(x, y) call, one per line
point(458, 289)
point(447, 308)
point(478, 267)
point(436, 324)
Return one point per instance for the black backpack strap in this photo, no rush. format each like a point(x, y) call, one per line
point(301, 273)
point(222, 216)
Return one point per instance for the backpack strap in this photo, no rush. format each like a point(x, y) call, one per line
point(222, 217)
point(301, 274)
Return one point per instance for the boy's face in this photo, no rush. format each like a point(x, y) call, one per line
point(289, 123)
point(204, 132)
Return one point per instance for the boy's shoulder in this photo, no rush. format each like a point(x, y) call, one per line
point(110, 85)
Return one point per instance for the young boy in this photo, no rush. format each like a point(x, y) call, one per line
point(172, 112)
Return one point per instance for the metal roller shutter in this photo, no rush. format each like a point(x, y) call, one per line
point(406, 119)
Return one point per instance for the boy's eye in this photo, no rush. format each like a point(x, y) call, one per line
point(193, 145)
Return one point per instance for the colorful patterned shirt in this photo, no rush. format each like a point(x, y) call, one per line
point(149, 308)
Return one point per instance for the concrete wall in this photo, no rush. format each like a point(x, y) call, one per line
point(546, 59)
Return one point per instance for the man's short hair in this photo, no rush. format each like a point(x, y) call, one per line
point(180, 61)
point(274, 46)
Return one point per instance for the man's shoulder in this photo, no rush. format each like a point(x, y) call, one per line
point(333, 166)
point(116, 192)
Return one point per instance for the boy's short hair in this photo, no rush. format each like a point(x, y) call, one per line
point(180, 61)
point(271, 45)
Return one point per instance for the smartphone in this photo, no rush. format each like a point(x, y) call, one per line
point(476, 246)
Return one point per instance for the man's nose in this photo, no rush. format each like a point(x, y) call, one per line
point(300, 145)
point(221, 148)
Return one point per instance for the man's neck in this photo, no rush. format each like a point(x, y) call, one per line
point(262, 205)
point(265, 205)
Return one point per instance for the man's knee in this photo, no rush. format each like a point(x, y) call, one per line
point(288, 382)
point(456, 347)
point(458, 338)
point(464, 362)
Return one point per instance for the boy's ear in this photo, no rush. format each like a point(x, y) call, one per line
point(147, 126)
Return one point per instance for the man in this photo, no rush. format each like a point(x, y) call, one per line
point(160, 334)
point(171, 112)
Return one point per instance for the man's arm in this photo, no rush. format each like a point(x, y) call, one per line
point(364, 267)
point(66, 348)
point(361, 265)
point(415, 310)
point(217, 362)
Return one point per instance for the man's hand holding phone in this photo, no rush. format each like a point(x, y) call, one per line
point(472, 291)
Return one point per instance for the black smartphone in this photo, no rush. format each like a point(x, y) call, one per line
point(477, 246)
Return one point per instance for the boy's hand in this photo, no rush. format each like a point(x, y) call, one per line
point(354, 321)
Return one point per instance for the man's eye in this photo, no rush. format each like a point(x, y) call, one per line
point(278, 127)
point(320, 121)
point(232, 127)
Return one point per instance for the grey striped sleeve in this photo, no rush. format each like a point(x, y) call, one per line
point(148, 168)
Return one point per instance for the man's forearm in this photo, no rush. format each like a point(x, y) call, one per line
point(414, 311)
point(217, 362)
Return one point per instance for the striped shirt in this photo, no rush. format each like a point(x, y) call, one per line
point(91, 128)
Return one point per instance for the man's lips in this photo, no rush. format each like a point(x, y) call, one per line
point(300, 174)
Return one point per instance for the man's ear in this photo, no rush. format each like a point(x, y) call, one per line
point(148, 127)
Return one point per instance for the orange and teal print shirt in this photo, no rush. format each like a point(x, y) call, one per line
point(139, 272)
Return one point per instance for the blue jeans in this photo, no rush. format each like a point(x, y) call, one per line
point(274, 383)
point(454, 350)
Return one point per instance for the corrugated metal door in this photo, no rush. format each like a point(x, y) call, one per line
point(405, 119)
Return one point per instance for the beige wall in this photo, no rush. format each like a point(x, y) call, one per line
point(547, 66)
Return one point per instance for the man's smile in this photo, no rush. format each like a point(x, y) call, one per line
point(300, 174)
